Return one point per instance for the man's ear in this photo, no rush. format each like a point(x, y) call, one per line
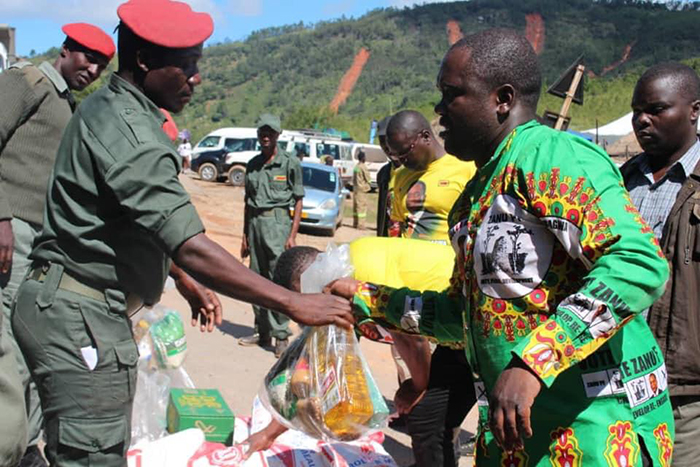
point(142, 59)
point(64, 51)
point(695, 111)
point(505, 100)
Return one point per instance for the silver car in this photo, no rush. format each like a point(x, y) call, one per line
point(323, 200)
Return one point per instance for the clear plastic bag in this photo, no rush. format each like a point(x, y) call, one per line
point(162, 349)
point(160, 335)
point(322, 385)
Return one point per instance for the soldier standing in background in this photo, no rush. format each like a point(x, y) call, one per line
point(273, 185)
point(360, 188)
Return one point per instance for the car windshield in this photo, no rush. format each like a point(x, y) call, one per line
point(323, 180)
point(209, 142)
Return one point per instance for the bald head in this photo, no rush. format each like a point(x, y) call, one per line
point(407, 123)
point(412, 141)
point(681, 78)
point(503, 56)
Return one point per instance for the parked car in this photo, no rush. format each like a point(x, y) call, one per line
point(224, 153)
point(322, 206)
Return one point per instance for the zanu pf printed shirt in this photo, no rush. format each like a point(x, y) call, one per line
point(553, 266)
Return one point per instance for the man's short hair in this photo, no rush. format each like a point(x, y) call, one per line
point(292, 263)
point(682, 77)
point(129, 43)
point(503, 56)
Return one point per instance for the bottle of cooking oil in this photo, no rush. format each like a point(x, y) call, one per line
point(343, 391)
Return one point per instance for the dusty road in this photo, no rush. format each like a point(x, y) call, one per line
point(217, 361)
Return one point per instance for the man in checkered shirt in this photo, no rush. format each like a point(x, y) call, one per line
point(664, 182)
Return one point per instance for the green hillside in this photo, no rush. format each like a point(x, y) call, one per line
point(295, 70)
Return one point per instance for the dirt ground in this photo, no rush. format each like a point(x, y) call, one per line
point(217, 361)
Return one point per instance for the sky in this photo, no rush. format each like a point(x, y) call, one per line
point(38, 22)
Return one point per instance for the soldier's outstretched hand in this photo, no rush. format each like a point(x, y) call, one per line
point(321, 309)
point(204, 303)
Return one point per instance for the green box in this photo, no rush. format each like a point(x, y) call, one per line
point(204, 409)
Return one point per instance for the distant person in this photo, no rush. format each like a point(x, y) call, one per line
point(185, 151)
point(301, 153)
point(664, 183)
point(385, 181)
point(440, 392)
point(273, 186)
point(37, 103)
point(360, 187)
point(328, 160)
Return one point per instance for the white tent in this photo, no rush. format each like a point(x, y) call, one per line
point(620, 127)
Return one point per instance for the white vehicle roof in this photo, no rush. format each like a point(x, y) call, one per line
point(286, 135)
point(235, 132)
point(373, 153)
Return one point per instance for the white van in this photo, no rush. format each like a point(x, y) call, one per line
point(225, 153)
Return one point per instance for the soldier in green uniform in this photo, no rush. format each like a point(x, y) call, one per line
point(37, 104)
point(273, 185)
point(360, 188)
point(116, 219)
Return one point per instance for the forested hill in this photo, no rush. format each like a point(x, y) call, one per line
point(388, 60)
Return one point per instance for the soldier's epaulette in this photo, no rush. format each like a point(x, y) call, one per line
point(21, 64)
point(32, 73)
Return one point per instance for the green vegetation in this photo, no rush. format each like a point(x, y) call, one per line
point(295, 70)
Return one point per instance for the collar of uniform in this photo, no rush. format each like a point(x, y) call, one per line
point(277, 160)
point(55, 77)
point(120, 86)
point(683, 166)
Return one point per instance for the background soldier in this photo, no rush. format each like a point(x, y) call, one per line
point(360, 188)
point(273, 185)
point(116, 214)
point(37, 104)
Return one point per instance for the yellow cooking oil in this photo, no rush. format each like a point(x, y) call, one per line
point(344, 395)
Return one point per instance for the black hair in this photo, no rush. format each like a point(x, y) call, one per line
point(504, 56)
point(682, 77)
point(75, 46)
point(292, 263)
point(361, 156)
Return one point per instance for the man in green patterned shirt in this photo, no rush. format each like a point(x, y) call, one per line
point(554, 265)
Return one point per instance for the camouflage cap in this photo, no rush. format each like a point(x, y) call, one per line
point(273, 121)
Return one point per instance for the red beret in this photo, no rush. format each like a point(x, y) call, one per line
point(91, 37)
point(166, 23)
